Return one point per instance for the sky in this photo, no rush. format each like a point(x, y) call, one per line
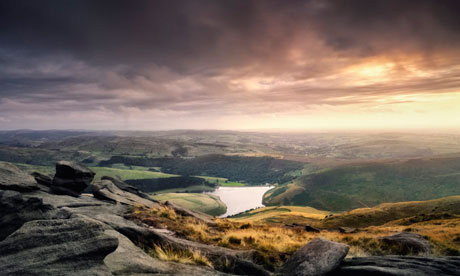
point(230, 64)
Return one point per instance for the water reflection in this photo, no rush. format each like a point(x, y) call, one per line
point(240, 199)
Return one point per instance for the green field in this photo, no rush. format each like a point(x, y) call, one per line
point(222, 181)
point(204, 203)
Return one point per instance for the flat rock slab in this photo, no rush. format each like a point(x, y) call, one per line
point(57, 247)
point(12, 178)
point(316, 258)
point(399, 266)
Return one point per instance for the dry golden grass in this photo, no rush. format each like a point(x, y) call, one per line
point(276, 242)
point(167, 253)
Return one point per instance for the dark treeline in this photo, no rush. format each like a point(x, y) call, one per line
point(251, 170)
point(156, 184)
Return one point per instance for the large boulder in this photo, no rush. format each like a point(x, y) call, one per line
point(57, 247)
point(107, 190)
point(316, 258)
point(399, 266)
point(406, 243)
point(71, 178)
point(12, 178)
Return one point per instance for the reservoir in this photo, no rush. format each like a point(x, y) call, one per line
point(240, 199)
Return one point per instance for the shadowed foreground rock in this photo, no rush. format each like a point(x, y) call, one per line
point(71, 178)
point(316, 258)
point(399, 266)
point(15, 210)
point(57, 247)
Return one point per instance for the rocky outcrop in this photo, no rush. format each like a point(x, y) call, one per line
point(58, 234)
point(71, 179)
point(398, 266)
point(14, 179)
point(406, 243)
point(316, 258)
point(107, 190)
point(57, 247)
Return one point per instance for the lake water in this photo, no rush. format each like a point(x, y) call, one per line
point(240, 199)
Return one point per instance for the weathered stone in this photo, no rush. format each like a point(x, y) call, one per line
point(12, 178)
point(42, 179)
point(406, 243)
point(57, 247)
point(107, 190)
point(71, 178)
point(399, 266)
point(316, 258)
point(15, 210)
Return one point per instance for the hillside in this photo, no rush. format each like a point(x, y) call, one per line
point(251, 170)
point(402, 213)
point(369, 184)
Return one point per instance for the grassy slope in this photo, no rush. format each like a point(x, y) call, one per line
point(281, 214)
point(275, 241)
point(401, 213)
point(204, 203)
point(369, 184)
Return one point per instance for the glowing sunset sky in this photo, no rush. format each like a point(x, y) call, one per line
point(230, 64)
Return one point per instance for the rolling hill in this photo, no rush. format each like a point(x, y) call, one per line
point(369, 184)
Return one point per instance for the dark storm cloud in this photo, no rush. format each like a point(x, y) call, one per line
point(201, 35)
point(192, 56)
